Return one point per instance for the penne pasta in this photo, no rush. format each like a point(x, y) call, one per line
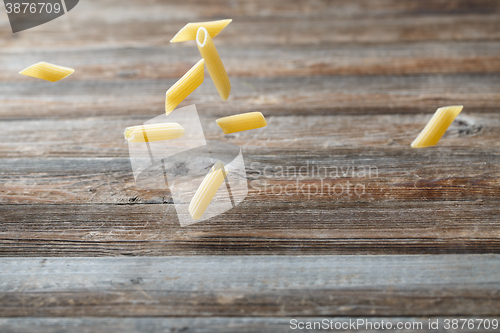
point(213, 63)
point(437, 126)
point(241, 122)
point(189, 31)
point(185, 86)
point(48, 72)
point(207, 190)
point(154, 132)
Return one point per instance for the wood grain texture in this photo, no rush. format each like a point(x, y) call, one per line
point(345, 87)
point(102, 137)
point(106, 178)
point(214, 324)
point(327, 95)
point(142, 62)
point(290, 227)
point(251, 286)
point(332, 107)
point(114, 23)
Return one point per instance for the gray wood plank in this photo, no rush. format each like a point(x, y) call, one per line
point(226, 324)
point(252, 286)
point(276, 96)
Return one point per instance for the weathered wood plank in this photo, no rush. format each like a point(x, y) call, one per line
point(102, 137)
point(344, 84)
point(324, 8)
point(97, 23)
point(194, 9)
point(266, 225)
point(464, 178)
point(276, 96)
point(221, 324)
point(129, 63)
point(253, 286)
point(386, 167)
point(381, 175)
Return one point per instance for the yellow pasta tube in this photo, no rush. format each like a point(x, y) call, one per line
point(437, 126)
point(241, 122)
point(185, 86)
point(154, 132)
point(48, 72)
point(189, 31)
point(207, 190)
point(213, 63)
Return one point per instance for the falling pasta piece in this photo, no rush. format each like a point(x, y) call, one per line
point(189, 31)
point(213, 63)
point(437, 126)
point(242, 122)
point(185, 86)
point(46, 71)
point(207, 190)
point(154, 132)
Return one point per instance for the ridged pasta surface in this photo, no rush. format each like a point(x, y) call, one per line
point(207, 190)
point(437, 126)
point(48, 72)
point(185, 86)
point(213, 62)
point(154, 132)
point(242, 122)
point(188, 32)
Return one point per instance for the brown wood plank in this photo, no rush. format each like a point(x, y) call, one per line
point(275, 96)
point(403, 183)
point(132, 63)
point(394, 174)
point(102, 137)
point(100, 23)
point(272, 286)
point(264, 225)
point(322, 107)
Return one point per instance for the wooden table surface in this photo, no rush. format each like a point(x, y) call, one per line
point(345, 87)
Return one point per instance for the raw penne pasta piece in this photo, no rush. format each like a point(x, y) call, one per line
point(241, 122)
point(437, 126)
point(207, 190)
point(46, 71)
point(185, 86)
point(213, 63)
point(154, 132)
point(189, 31)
